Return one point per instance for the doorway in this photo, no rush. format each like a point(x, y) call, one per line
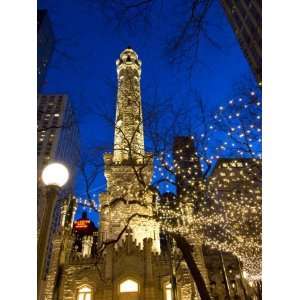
point(129, 290)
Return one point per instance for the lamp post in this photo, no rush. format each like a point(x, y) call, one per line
point(54, 176)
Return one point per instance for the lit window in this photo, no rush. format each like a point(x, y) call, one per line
point(84, 293)
point(129, 286)
point(168, 291)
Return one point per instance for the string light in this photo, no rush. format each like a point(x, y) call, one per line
point(221, 211)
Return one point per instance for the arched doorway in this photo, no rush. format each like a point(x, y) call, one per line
point(129, 290)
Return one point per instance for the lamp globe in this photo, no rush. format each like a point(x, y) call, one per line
point(55, 174)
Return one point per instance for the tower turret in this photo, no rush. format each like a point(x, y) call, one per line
point(129, 135)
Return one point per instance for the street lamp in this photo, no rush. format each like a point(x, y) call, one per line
point(54, 176)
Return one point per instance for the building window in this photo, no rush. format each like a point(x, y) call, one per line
point(168, 291)
point(84, 293)
point(129, 286)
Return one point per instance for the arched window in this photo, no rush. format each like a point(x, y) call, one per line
point(129, 286)
point(84, 293)
point(168, 291)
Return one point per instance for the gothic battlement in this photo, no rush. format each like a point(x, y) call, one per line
point(78, 259)
point(145, 159)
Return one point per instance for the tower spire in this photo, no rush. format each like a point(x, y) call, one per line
point(129, 133)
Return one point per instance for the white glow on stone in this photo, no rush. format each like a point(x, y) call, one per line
point(55, 174)
point(129, 286)
point(84, 293)
point(169, 292)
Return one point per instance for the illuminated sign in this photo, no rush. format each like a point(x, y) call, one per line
point(82, 224)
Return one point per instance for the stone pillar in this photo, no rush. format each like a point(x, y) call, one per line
point(63, 213)
point(108, 273)
point(186, 285)
point(64, 259)
point(87, 243)
point(61, 249)
point(149, 282)
point(73, 215)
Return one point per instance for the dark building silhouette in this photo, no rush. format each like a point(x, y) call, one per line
point(85, 232)
point(45, 45)
point(187, 166)
point(246, 20)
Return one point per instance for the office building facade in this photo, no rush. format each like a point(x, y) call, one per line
point(245, 17)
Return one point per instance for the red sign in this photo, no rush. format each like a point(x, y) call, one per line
point(82, 224)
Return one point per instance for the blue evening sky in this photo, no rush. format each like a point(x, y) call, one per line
point(88, 45)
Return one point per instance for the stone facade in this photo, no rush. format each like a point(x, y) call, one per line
point(127, 261)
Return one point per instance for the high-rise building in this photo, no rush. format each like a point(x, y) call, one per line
point(45, 45)
point(58, 134)
point(187, 166)
point(57, 140)
point(245, 17)
point(238, 174)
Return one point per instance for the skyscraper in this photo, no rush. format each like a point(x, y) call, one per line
point(245, 17)
point(45, 45)
point(187, 165)
point(58, 135)
point(57, 140)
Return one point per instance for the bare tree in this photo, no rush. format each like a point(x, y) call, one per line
point(183, 43)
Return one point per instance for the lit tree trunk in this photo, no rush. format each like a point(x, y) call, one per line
point(225, 276)
point(259, 290)
point(186, 250)
point(173, 280)
point(242, 281)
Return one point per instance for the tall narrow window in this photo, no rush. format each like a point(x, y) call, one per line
point(84, 293)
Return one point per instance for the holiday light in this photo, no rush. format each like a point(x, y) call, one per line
point(222, 210)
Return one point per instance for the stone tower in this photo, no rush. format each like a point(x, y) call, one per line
point(129, 134)
point(128, 170)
